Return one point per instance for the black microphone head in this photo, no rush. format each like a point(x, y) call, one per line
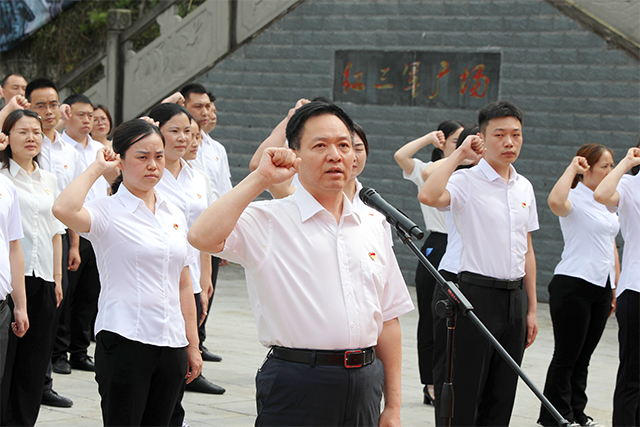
point(365, 193)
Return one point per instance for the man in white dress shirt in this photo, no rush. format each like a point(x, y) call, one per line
point(81, 302)
point(212, 159)
point(324, 285)
point(494, 210)
point(62, 160)
point(12, 85)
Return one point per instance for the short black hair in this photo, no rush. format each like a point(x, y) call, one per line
point(313, 109)
point(358, 130)
point(39, 84)
point(4, 81)
point(470, 130)
point(77, 98)
point(162, 113)
point(212, 97)
point(187, 90)
point(496, 110)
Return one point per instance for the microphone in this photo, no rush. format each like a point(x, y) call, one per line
point(371, 198)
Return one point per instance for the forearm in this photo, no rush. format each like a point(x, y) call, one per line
point(205, 272)
point(57, 255)
point(74, 239)
point(404, 156)
point(558, 199)
point(277, 138)
point(434, 191)
point(16, 262)
point(606, 192)
point(209, 232)
point(389, 351)
point(70, 202)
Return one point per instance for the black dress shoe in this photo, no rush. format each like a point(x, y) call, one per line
point(84, 363)
point(210, 357)
point(203, 385)
point(51, 398)
point(61, 366)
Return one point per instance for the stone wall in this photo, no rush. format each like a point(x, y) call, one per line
point(573, 87)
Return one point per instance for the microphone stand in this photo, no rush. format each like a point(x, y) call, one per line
point(455, 304)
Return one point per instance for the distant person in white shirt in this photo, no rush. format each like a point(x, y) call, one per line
point(212, 160)
point(494, 211)
point(12, 85)
point(580, 294)
point(146, 335)
point(28, 357)
point(62, 160)
point(102, 125)
point(621, 192)
point(324, 284)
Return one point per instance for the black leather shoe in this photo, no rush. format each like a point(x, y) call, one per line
point(51, 398)
point(208, 356)
point(61, 366)
point(203, 385)
point(84, 363)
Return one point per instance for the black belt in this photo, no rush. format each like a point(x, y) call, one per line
point(347, 358)
point(489, 282)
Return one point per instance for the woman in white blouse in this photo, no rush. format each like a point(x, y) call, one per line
point(580, 293)
point(27, 357)
point(146, 337)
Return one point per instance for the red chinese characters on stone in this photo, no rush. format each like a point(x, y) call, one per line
point(445, 70)
point(358, 85)
point(413, 77)
point(481, 81)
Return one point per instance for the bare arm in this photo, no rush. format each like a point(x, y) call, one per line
point(617, 277)
point(74, 251)
point(389, 351)
point(606, 193)
point(558, 199)
point(404, 156)
point(209, 232)
point(277, 138)
point(530, 287)
point(57, 267)
point(69, 206)
point(18, 295)
point(188, 307)
point(434, 191)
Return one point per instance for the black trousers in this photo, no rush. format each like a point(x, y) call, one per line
point(215, 266)
point(139, 384)
point(440, 344)
point(298, 394)
point(433, 248)
point(626, 397)
point(48, 380)
point(79, 307)
point(5, 330)
point(579, 312)
point(484, 384)
point(27, 357)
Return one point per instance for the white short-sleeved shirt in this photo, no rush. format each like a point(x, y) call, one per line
point(87, 156)
point(36, 193)
point(314, 283)
point(451, 259)
point(493, 218)
point(212, 159)
point(433, 219)
point(588, 231)
point(629, 211)
point(61, 159)
point(140, 257)
point(190, 194)
point(10, 230)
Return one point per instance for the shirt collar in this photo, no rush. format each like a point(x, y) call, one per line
point(57, 139)
point(309, 206)
point(74, 143)
point(131, 202)
point(491, 173)
point(15, 169)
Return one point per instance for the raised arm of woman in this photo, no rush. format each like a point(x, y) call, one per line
point(69, 206)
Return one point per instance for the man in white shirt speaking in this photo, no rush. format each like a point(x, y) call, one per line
point(323, 281)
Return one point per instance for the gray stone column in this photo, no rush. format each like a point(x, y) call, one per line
point(117, 21)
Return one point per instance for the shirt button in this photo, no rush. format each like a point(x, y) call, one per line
point(348, 295)
point(353, 325)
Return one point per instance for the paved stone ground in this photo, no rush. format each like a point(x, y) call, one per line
point(233, 336)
